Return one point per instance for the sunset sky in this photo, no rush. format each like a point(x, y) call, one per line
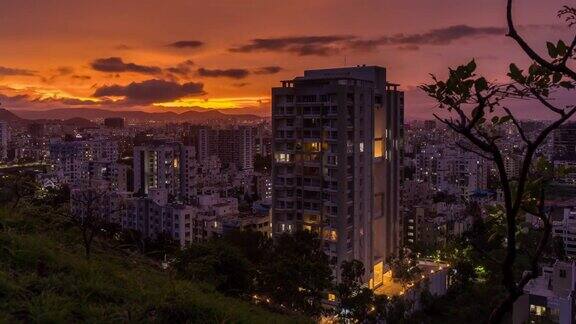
point(144, 54)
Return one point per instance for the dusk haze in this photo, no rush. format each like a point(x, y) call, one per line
point(328, 161)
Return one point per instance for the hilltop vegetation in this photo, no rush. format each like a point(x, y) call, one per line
point(45, 277)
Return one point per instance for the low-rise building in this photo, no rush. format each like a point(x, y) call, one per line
point(550, 297)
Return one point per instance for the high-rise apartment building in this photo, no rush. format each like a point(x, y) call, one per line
point(564, 143)
point(337, 137)
point(233, 146)
point(69, 159)
point(165, 165)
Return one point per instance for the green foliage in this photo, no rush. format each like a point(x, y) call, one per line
point(355, 300)
point(292, 273)
point(14, 188)
point(297, 272)
point(404, 268)
point(45, 278)
point(255, 246)
point(218, 263)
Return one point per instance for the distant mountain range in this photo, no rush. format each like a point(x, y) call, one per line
point(83, 115)
point(15, 120)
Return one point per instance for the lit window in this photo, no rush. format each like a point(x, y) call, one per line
point(378, 148)
point(331, 297)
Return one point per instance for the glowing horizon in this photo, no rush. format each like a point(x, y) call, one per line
point(227, 57)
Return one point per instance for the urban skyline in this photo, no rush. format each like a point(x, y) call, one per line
point(369, 162)
point(230, 54)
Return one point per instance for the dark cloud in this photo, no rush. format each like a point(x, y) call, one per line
point(186, 44)
point(228, 73)
point(333, 44)
point(81, 77)
point(302, 45)
point(268, 70)
point(4, 71)
point(409, 47)
point(440, 36)
point(57, 73)
point(151, 91)
point(182, 69)
point(444, 36)
point(116, 65)
point(65, 70)
point(70, 101)
point(123, 47)
point(8, 101)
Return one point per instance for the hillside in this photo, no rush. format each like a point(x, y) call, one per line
point(44, 277)
point(16, 121)
point(141, 116)
point(11, 118)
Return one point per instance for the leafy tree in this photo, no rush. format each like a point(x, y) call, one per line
point(355, 300)
point(405, 267)
point(463, 274)
point(478, 112)
point(391, 309)
point(255, 246)
point(218, 263)
point(163, 245)
point(297, 273)
point(90, 211)
point(16, 187)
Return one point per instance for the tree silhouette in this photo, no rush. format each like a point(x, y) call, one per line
point(15, 188)
point(471, 100)
point(91, 210)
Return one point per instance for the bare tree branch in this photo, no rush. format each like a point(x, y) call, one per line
point(546, 103)
point(518, 126)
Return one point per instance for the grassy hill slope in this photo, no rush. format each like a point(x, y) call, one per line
point(44, 277)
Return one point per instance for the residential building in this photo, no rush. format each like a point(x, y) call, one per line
point(69, 158)
point(565, 229)
point(550, 297)
point(564, 143)
point(163, 164)
point(233, 146)
point(337, 137)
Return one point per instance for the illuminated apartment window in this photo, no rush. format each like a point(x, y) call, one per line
point(361, 146)
point(378, 148)
point(331, 297)
point(283, 157)
point(537, 310)
point(333, 235)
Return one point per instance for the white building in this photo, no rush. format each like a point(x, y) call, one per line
point(550, 297)
point(451, 169)
point(566, 230)
point(69, 159)
point(165, 165)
